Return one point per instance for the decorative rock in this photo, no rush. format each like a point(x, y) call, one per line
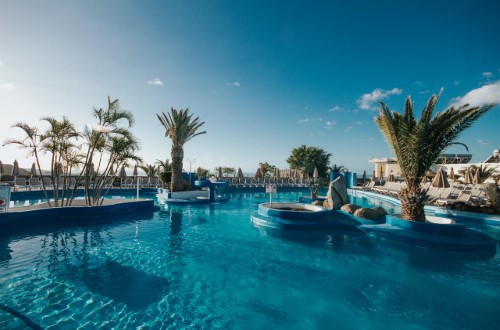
point(380, 211)
point(337, 193)
point(366, 213)
point(349, 208)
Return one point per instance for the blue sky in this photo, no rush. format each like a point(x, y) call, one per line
point(264, 76)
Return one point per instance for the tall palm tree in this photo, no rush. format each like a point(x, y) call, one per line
point(31, 141)
point(417, 145)
point(57, 141)
point(180, 127)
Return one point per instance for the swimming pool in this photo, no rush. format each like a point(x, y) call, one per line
point(206, 266)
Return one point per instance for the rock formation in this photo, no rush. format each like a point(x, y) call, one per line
point(337, 193)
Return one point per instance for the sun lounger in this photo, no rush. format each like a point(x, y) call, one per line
point(464, 197)
point(154, 183)
point(47, 182)
point(128, 182)
point(35, 183)
point(20, 183)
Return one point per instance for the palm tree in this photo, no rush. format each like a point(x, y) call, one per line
point(57, 142)
point(417, 145)
point(31, 141)
point(150, 169)
point(180, 127)
point(485, 172)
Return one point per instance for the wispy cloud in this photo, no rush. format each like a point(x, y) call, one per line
point(155, 82)
point(335, 109)
point(366, 101)
point(456, 82)
point(348, 129)
point(424, 92)
point(234, 83)
point(6, 86)
point(329, 124)
point(359, 123)
point(303, 121)
point(486, 76)
point(1, 63)
point(419, 83)
point(486, 94)
point(482, 142)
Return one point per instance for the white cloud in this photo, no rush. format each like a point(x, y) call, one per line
point(305, 120)
point(419, 83)
point(359, 122)
point(335, 109)
point(486, 94)
point(6, 86)
point(424, 92)
point(487, 74)
point(348, 129)
point(330, 123)
point(1, 63)
point(155, 82)
point(456, 82)
point(234, 83)
point(366, 101)
point(482, 142)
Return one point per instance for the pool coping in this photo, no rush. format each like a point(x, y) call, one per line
point(473, 217)
point(42, 214)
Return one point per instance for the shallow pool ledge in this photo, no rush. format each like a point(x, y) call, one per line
point(451, 236)
point(39, 215)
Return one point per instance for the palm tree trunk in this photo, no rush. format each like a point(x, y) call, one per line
point(177, 155)
point(413, 199)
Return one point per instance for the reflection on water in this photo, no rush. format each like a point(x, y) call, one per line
point(206, 266)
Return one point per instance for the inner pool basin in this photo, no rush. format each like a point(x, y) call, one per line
point(207, 266)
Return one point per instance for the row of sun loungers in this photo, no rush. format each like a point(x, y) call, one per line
point(262, 182)
point(470, 193)
point(35, 183)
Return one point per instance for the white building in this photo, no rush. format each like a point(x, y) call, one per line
point(458, 162)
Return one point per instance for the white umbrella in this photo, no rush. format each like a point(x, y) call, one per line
point(440, 180)
point(123, 173)
point(33, 169)
point(15, 169)
point(91, 170)
point(452, 174)
point(467, 176)
point(477, 178)
point(391, 177)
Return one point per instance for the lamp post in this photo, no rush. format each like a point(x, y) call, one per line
point(191, 161)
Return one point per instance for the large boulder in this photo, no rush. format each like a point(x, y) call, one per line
point(349, 208)
point(492, 192)
point(380, 211)
point(337, 193)
point(366, 213)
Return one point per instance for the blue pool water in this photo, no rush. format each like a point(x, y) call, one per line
point(206, 266)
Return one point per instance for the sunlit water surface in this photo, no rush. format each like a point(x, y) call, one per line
point(206, 266)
